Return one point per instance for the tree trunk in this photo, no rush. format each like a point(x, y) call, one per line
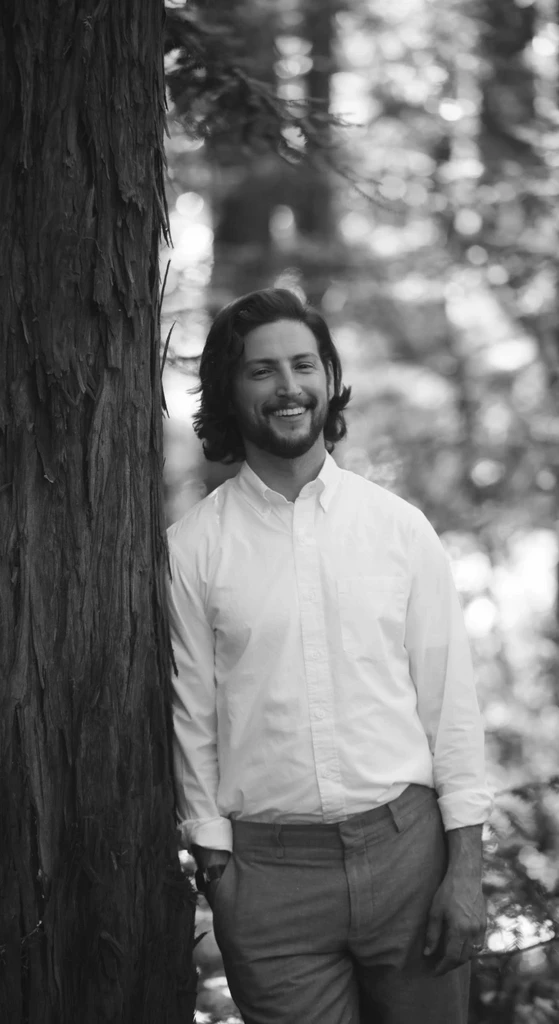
point(315, 212)
point(508, 86)
point(247, 185)
point(96, 919)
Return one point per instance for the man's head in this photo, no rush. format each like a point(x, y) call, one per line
point(270, 376)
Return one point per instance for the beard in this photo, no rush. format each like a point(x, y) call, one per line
point(282, 441)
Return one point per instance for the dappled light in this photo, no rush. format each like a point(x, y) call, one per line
point(421, 220)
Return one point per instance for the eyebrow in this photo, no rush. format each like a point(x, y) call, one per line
point(272, 362)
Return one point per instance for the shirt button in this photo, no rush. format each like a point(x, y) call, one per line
point(319, 713)
point(315, 655)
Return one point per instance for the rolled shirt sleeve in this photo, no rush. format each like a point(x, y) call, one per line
point(441, 669)
point(194, 712)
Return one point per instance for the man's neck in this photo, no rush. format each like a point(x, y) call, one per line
point(286, 476)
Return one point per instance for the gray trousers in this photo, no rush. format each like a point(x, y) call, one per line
point(325, 924)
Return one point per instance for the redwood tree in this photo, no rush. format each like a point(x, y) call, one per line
point(96, 919)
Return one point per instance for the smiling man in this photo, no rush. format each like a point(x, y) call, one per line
point(280, 402)
point(328, 744)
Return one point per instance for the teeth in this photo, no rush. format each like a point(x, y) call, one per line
point(289, 412)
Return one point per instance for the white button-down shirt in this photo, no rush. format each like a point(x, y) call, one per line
point(322, 659)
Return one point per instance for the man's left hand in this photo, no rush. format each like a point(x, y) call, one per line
point(457, 921)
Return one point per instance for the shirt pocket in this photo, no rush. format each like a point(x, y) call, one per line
point(372, 614)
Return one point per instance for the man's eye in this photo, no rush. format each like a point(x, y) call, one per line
point(305, 366)
point(259, 373)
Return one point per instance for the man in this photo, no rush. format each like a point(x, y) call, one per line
point(328, 744)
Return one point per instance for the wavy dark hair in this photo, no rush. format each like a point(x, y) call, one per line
point(215, 422)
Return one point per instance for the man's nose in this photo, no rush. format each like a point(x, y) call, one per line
point(287, 384)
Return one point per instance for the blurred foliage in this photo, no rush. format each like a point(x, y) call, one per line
point(219, 79)
point(399, 165)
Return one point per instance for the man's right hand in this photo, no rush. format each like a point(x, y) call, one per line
point(206, 858)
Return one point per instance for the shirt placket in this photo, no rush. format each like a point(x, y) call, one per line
point(318, 673)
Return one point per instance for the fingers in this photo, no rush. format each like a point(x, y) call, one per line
point(434, 932)
point(457, 951)
point(453, 936)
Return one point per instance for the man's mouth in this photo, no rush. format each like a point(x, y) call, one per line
point(293, 412)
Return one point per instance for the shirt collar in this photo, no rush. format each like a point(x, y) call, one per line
point(263, 497)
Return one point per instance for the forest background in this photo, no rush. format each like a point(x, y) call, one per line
point(398, 165)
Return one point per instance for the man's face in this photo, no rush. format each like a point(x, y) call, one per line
point(281, 370)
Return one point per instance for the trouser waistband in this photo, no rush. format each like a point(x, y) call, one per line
point(257, 833)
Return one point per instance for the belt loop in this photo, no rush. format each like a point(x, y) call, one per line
point(280, 849)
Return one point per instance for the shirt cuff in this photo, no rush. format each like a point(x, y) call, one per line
point(213, 833)
point(465, 807)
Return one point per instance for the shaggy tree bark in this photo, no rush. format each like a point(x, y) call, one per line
point(96, 919)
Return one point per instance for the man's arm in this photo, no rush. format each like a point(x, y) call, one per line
point(194, 714)
point(465, 852)
point(441, 668)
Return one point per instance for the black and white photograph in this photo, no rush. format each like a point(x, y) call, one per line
point(279, 512)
